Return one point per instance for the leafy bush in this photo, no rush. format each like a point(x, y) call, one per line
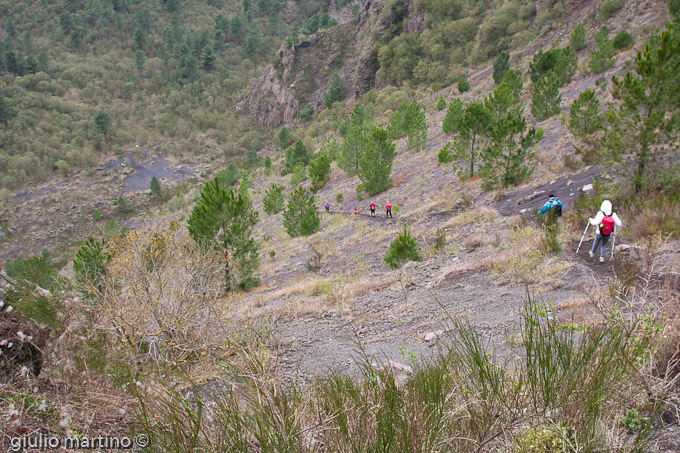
point(441, 103)
point(339, 197)
point(622, 40)
point(403, 248)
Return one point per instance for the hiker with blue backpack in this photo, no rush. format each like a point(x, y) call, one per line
point(554, 205)
point(605, 222)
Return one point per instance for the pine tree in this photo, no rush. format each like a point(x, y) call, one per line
point(139, 38)
point(6, 111)
point(225, 221)
point(584, 120)
point(646, 113)
point(375, 162)
point(546, 98)
point(416, 127)
point(441, 103)
point(500, 66)
point(89, 263)
point(296, 154)
point(319, 170)
point(140, 58)
point(578, 37)
point(102, 122)
point(453, 115)
point(283, 137)
point(301, 217)
point(228, 176)
point(602, 58)
point(507, 160)
point(336, 90)
point(273, 200)
point(404, 248)
point(584, 115)
point(359, 125)
point(208, 58)
point(123, 205)
point(156, 189)
point(463, 84)
point(298, 174)
point(473, 130)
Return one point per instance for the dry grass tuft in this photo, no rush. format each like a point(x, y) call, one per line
point(476, 214)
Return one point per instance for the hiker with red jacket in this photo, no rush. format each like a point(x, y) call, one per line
point(356, 211)
point(372, 209)
point(605, 220)
point(388, 209)
point(327, 206)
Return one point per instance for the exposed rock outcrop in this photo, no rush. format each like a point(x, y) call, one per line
point(300, 76)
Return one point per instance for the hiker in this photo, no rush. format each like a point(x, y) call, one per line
point(388, 209)
point(327, 206)
point(356, 211)
point(553, 205)
point(605, 220)
point(372, 209)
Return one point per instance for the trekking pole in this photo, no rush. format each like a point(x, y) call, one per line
point(614, 242)
point(582, 237)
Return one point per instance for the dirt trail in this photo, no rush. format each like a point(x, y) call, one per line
point(393, 321)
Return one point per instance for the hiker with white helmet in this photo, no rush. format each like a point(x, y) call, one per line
point(606, 220)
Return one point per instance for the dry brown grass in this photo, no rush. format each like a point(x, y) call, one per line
point(476, 214)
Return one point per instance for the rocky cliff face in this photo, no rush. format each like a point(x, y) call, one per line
point(300, 75)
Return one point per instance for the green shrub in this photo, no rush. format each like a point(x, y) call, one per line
point(622, 40)
point(298, 174)
point(441, 103)
point(35, 269)
point(404, 248)
point(609, 8)
point(228, 176)
point(123, 205)
point(96, 215)
point(339, 197)
point(445, 155)
point(463, 84)
point(674, 8)
point(305, 113)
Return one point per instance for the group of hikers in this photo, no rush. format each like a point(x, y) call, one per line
point(605, 222)
point(371, 207)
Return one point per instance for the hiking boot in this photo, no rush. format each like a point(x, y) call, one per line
point(602, 259)
point(590, 252)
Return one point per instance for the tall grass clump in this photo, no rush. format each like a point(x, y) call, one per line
point(558, 386)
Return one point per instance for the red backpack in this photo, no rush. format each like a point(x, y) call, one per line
point(607, 225)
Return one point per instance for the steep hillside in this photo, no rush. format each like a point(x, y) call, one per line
point(193, 281)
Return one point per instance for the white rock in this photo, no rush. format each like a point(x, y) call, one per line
point(431, 336)
point(587, 188)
